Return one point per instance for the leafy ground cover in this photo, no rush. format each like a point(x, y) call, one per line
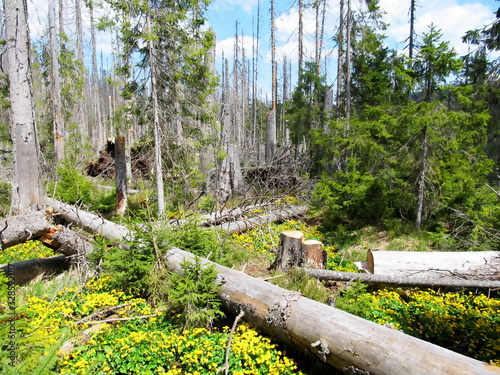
point(146, 338)
point(25, 251)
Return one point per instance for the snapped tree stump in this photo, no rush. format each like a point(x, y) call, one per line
point(294, 251)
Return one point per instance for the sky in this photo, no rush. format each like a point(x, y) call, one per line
point(452, 17)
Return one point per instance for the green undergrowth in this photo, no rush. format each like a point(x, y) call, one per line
point(25, 251)
point(468, 323)
point(134, 337)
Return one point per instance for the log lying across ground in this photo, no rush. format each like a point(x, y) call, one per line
point(18, 229)
point(23, 272)
point(431, 263)
point(417, 281)
point(278, 215)
point(336, 337)
point(89, 222)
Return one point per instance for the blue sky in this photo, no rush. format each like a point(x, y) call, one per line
point(453, 17)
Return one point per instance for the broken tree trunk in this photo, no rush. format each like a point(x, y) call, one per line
point(336, 337)
point(22, 272)
point(314, 255)
point(429, 263)
point(66, 241)
point(89, 222)
point(294, 251)
point(290, 252)
point(420, 281)
point(18, 229)
point(279, 215)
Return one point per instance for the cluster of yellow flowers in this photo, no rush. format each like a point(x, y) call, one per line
point(463, 322)
point(25, 251)
point(167, 352)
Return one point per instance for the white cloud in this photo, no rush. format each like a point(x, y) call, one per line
point(447, 15)
point(226, 46)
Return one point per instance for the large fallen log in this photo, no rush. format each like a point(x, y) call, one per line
point(89, 222)
point(18, 229)
point(336, 337)
point(431, 263)
point(66, 241)
point(22, 272)
point(417, 281)
point(279, 215)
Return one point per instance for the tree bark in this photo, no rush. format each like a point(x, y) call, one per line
point(430, 263)
point(18, 229)
point(414, 281)
point(243, 225)
point(65, 241)
point(336, 337)
point(89, 222)
point(27, 186)
point(290, 252)
point(314, 255)
point(120, 175)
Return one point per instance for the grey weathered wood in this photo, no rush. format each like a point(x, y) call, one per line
point(290, 250)
point(21, 228)
point(66, 241)
point(432, 263)
point(336, 337)
point(422, 281)
point(89, 222)
point(243, 225)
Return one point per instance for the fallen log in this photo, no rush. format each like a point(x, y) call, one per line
point(66, 241)
point(432, 263)
point(89, 222)
point(22, 272)
point(336, 337)
point(418, 281)
point(279, 215)
point(18, 229)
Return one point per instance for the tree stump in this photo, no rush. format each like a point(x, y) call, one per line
point(314, 255)
point(290, 251)
point(294, 251)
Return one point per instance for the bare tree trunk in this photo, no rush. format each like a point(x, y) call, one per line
point(421, 179)
point(156, 127)
point(301, 39)
point(341, 57)
point(411, 44)
point(57, 120)
point(414, 281)
point(120, 175)
point(27, 187)
point(271, 115)
point(98, 133)
point(342, 340)
point(348, 62)
point(81, 112)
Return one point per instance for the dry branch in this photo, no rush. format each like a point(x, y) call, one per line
point(336, 337)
